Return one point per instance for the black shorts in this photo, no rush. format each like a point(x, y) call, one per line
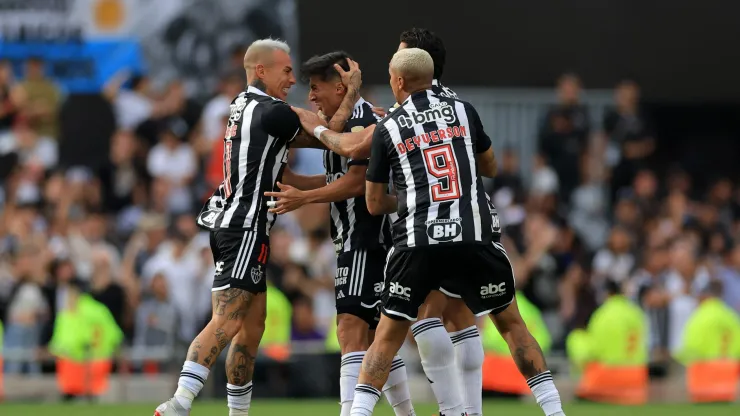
point(240, 258)
point(480, 273)
point(358, 284)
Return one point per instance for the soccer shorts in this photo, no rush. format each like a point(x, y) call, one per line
point(358, 284)
point(482, 276)
point(240, 258)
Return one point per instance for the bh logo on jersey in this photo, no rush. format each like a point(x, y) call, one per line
point(492, 290)
point(437, 111)
point(399, 291)
point(444, 229)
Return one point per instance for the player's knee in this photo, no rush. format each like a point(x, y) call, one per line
point(434, 305)
point(457, 316)
point(352, 333)
point(229, 326)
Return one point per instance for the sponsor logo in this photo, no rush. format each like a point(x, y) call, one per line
point(340, 278)
point(208, 218)
point(257, 274)
point(437, 111)
point(399, 291)
point(444, 229)
point(237, 108)
point(493, 290)
point(340, 295)
point(219, 268)
point(378, 288)
point(433, 137)
point(495, 223)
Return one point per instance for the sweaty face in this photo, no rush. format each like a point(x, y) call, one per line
point(327, 95)
point(278, 76)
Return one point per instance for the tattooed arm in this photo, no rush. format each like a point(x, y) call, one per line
point(352, 80)
point(351, 145)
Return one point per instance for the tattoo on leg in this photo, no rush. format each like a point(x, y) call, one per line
point(377, 365)
point(194, 349)
point(212, 356)
point(224, 301)
point(221, 339)
point(528, 357)
point(239, 365)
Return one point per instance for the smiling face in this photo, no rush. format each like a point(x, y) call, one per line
point(277, 75)
point(326, 94)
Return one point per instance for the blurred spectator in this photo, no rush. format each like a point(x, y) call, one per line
point(647, 287)
point(564, 134)
point(173, 166)
point(304, 323)
point(31, 149)
point(629, 134)
point(156, 317)
point(26, 309)
point(121, 179)
point(508, 192)
point(55, 292)
point(217, 108)
point(182, 107)
point(729, 275)
point(11, 96)
point(615, 261)
point(103, 288)
point(589, 209)
point(43, 99)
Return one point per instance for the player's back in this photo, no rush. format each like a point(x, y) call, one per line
point(431, 143)
point(256, 141)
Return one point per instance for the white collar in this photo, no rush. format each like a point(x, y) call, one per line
point(255, 90)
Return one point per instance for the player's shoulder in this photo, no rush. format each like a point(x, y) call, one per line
point(439, 89)
point(362, 116)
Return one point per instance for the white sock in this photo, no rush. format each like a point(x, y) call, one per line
point(396, 389)
point(545, 393)
point(348, 374)
point(366, 396)
point(239, 398)
point(438, 360)
point(469, 359)
point(192, 378)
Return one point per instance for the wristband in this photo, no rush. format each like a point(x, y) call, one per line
point(318, 130)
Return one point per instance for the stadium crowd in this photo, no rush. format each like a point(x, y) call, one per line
point(592, 211)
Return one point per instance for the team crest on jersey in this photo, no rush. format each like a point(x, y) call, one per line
point(257, 274)
point(444, 229)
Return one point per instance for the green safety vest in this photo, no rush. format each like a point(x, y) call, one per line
point(89, 324)
point(494, 342)
point(278, 320)
point(1, 338)
point(616, 335)
point(712, 332)
point(332, 342)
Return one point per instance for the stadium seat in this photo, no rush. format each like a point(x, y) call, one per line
point(626, 385)
point(713, 381)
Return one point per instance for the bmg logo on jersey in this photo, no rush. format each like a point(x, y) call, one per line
point(399, 291)
point(444, 229)
point(441, 111)
point(493, 290)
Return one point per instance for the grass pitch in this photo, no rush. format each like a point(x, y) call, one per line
point(324, 408)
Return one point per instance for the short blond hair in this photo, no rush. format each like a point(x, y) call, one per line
point(413, 64)
point(260, 51)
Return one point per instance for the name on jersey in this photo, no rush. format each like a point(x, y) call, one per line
point(444, 229)
point(437, 111)
point(436, 136)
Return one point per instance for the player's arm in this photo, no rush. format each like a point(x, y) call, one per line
point(484, 150)
point(352, 80)
point(378, 200)
point(303, 182)
point(348, 186)
point(351, 145)
point(280, 121)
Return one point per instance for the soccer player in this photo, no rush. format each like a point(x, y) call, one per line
point(437, 149)
point(358, 236)
point(259, 131)
point(462, 347)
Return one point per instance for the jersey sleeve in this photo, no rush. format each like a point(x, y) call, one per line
point(358, 124)
point(379, 167)
point(280, 121)
point(482, 141)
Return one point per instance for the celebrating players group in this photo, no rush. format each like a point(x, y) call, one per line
point(416, 236)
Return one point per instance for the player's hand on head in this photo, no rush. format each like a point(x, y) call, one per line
point(380, 111)
point(288, 199)
point(351, 78)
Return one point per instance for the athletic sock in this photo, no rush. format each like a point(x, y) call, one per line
point(546, 393)
point(469, 360)
point(348, 374)
point(396, 389)
point(192, 378)
point(239, 398)
point(438, 360)
point(366, 397)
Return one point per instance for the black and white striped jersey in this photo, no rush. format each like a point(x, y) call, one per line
point(429, 144)
point(437, 89)
point(352, 226)
point(256, 141)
